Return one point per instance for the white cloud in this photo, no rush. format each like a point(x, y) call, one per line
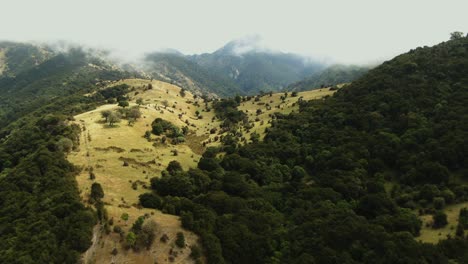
point(347, 31)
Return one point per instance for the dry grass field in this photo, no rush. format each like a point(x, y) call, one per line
point(104, 148)
point(430, 235)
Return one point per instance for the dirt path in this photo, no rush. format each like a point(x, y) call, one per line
point(89, 255)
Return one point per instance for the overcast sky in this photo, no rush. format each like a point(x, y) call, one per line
point(358, 31)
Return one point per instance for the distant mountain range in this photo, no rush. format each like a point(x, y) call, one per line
point(238, 68)
point(232, 69)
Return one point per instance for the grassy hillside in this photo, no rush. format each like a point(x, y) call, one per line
point(104, 149)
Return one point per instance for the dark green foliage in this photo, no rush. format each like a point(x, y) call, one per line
point(195, 252)
point(173, 167)
point(226, 110)
point(180, 240)
point(161, 126)
point(117, 92)
point(41, 210)
point(149, 200)
point(440, 219)
point(123, 103)
point(463, 218)
point(96, 192)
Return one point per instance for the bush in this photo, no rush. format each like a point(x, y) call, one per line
point(149, 200)
point(440, 219)
point(439, 203)
point(180, 241)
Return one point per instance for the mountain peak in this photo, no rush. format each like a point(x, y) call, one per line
point(243, 45)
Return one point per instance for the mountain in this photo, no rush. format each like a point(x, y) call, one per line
point(18, 57)
point(180, 70)
point(257, 70)
point(233, 69)
point(33, 76)
point(376, 173)
point(333, 75)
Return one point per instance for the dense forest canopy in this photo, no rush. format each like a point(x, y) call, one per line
point(343, 180)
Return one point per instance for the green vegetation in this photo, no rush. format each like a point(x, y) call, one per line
point(313, 190)
point(226, 110)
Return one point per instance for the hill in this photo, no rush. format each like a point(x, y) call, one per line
point(18, 57)
point(348, 179)
point(104, 150)
point(333, 75)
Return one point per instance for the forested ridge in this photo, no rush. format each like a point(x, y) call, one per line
point(333, 75)
point(42, 219)
point(343, 180)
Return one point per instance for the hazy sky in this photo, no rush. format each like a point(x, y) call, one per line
point(345, 31)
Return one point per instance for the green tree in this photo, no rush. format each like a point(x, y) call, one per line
point(97, 193)
point(123, 103)
point(113, 118)
point(440, 219)
point(456, 35)
point(105, 114)
point(131, 238)
point(180, 240)
point(124, 217)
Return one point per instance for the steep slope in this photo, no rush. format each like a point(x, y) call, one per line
point(333, 75)
point(254, 71)
point(181, 71)
point(347, 178)
point(64, 73)
point(226, 72)
point(18, 57)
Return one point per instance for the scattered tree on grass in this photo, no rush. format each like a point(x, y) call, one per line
point(105, 114)
point(124, 217)
point(96, 192)
point(180, 240)
point(131, 239)
point(113, 118)
point(123, 103)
